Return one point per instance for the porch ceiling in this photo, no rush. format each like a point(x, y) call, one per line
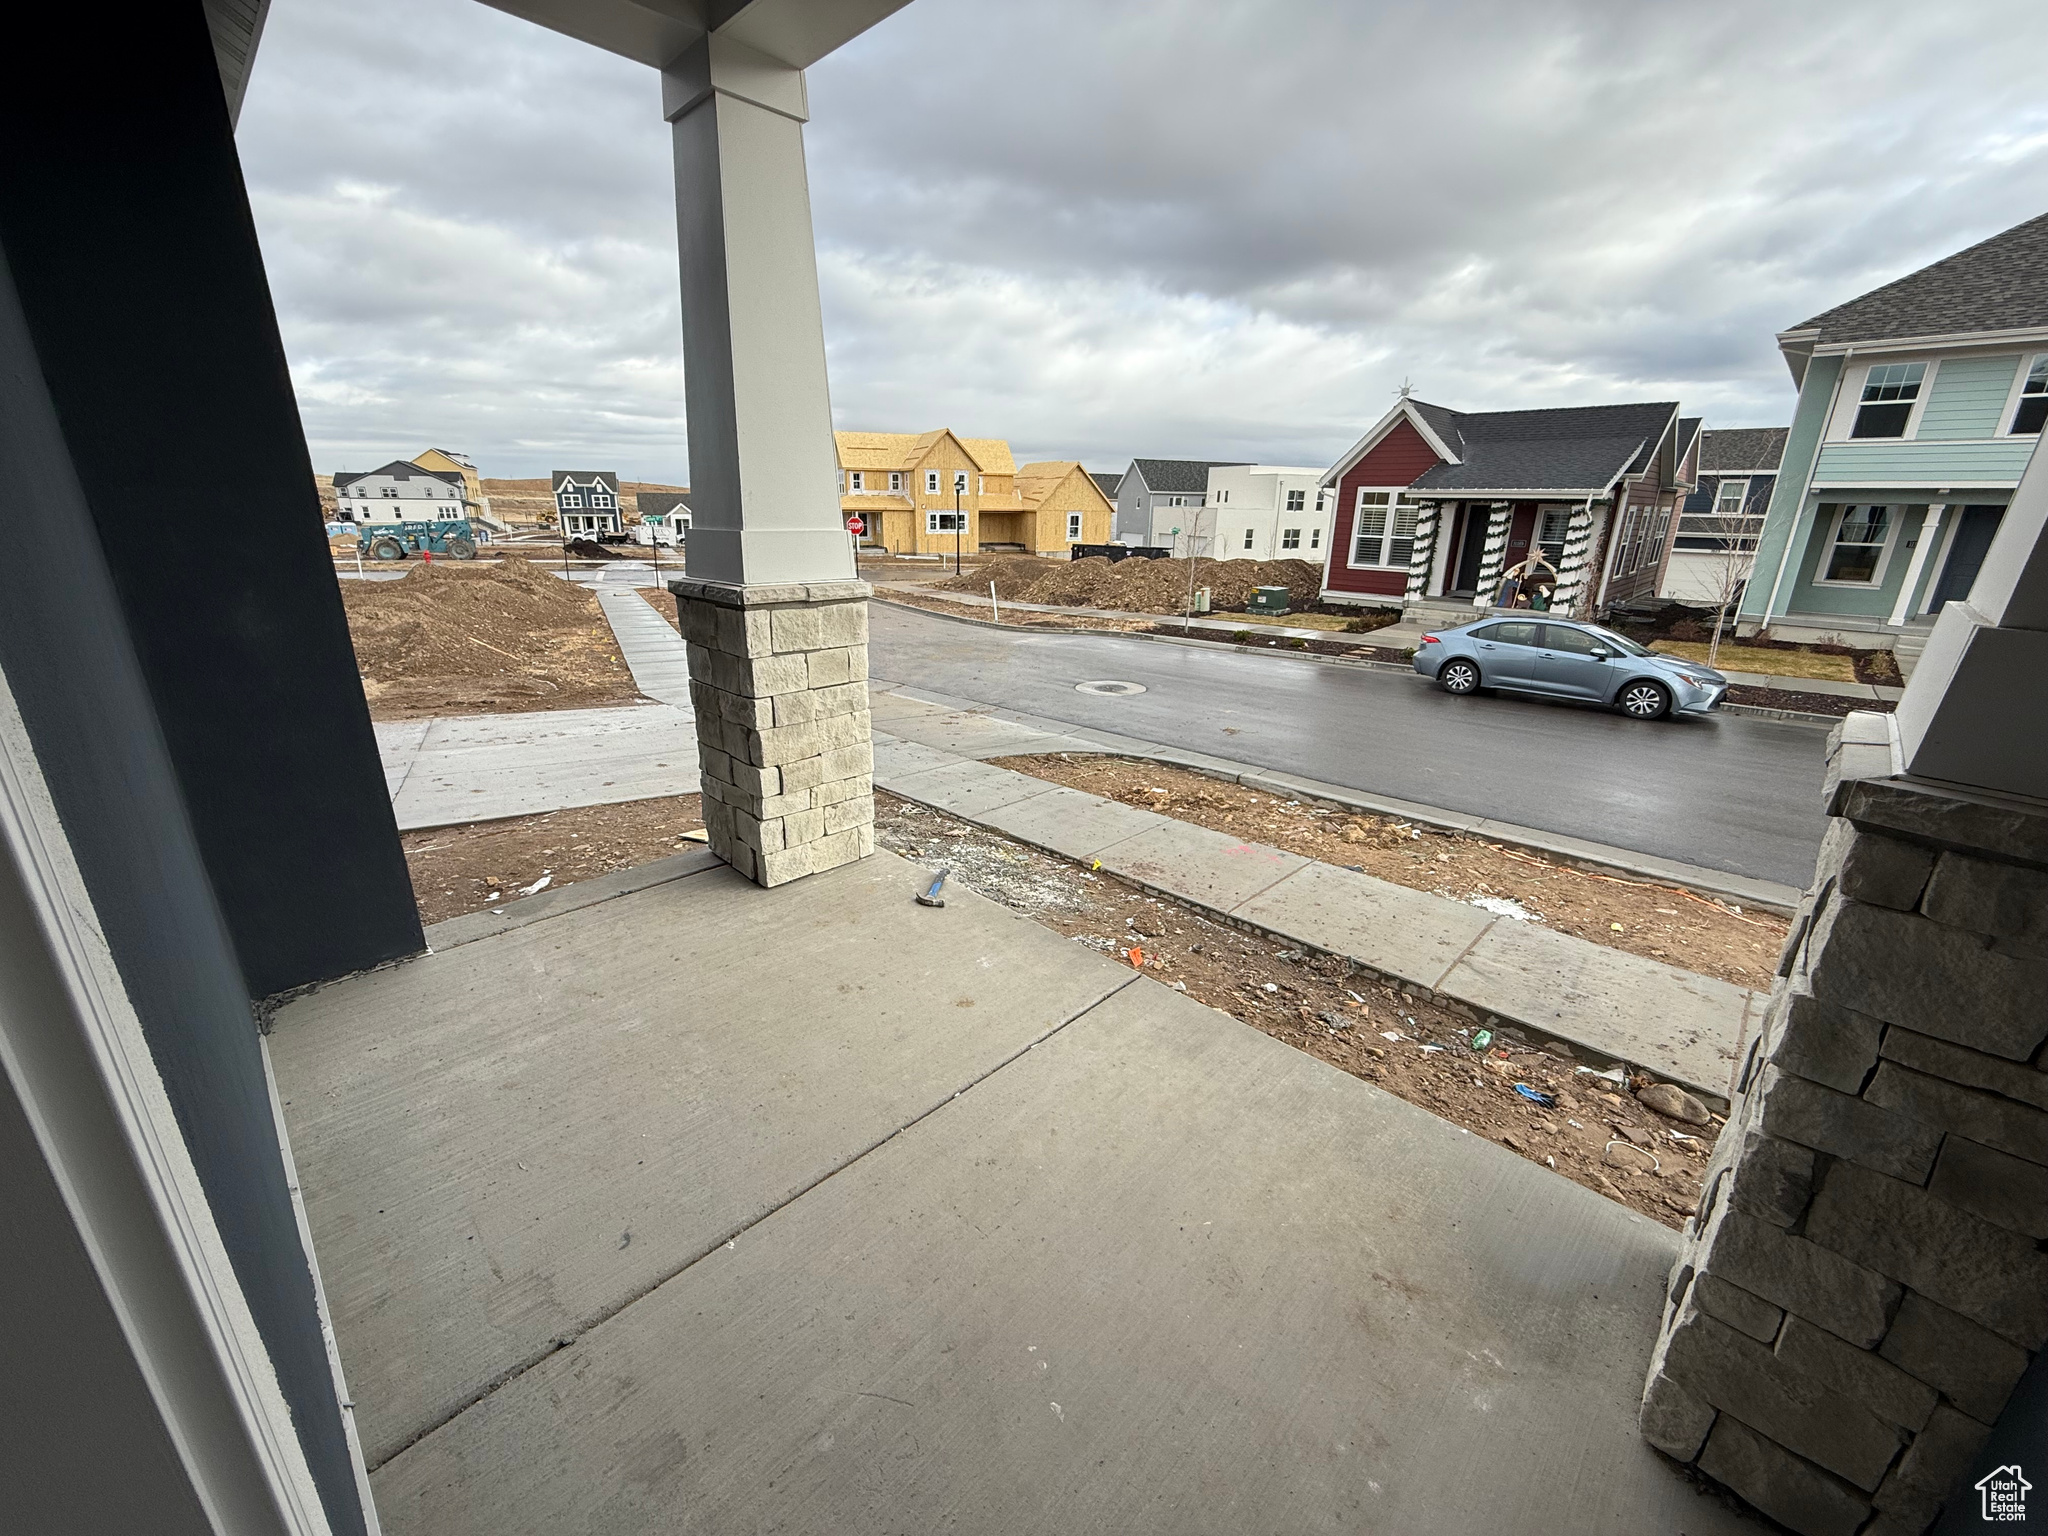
point(718, 1208)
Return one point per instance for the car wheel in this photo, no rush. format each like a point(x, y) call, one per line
point(1645, 701)
point(1458, 677)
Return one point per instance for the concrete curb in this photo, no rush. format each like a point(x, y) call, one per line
point(1765, 895)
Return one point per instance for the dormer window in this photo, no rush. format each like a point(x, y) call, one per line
point(858, 480)
point(2032, 412)
point(895, 479)
point(1889, 393)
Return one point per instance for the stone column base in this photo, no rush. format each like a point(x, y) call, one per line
point(1864, 1284)
point(779, 681)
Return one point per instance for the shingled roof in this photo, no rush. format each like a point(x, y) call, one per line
point(2000, 284)
point(1180, 475)
point(1740, 450)
point(1577, 450)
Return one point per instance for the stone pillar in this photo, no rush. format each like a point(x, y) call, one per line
point(778, 677)
point(775, 617)
point(1865, 1282)
point(1493, 557)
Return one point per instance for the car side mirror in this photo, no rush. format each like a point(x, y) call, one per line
point(1601, 653)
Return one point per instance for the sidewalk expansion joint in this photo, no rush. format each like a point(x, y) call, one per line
point(569, 1338)
point(1437, 985)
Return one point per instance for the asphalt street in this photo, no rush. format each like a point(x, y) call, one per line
point(1729, 792)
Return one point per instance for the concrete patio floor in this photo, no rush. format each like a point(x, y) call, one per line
point(693, 1206)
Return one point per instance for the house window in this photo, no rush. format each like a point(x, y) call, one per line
point(391, 491)
point(1889, 390)
point(1729, 500)
point(1383, 530)
point(1297, 501)
point(944, 522)
point(895, 479)
point(931, 482)
point(1556, 522)
point(572, 498)
point(1290, 538)
point(959, 482)
point(856, 481)
point(1322, 501)
point(1856, 553)
point(1073, 527)
point(1248, 538)
point(1315, 535)
point(2033, 407)
point(600, 498)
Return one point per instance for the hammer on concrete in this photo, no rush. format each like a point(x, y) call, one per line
point(931, 897)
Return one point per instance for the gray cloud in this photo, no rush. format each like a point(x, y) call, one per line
point(1160, 227)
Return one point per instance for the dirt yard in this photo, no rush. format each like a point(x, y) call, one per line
point(1139, 585)
point(459, 639)
point(1655, 921)
point(1594, 1132)
point(465, 869)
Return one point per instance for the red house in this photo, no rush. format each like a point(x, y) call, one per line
point(1433, 505)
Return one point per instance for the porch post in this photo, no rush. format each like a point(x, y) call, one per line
point(1571, 572)
point(771, 606)
point(1423, 556)
point(1930, 528)
point(1493, 559)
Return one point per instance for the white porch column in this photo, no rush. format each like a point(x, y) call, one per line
point(774, 614)
point(1423, 558)
point(1930, 535)
point(1493, 559)
point(1571, 570)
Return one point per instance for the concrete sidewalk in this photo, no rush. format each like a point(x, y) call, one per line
point(654, 653)
point(704, 1207)
point(483, 767)
point(1674, 1023)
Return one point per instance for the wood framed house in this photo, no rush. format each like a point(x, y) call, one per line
point(448, 461)
point(908, 489)
point(587, 503)
point(1432, 505)
point(1920, 405)
point(1063, 506)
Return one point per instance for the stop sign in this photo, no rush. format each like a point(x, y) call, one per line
point(855, 526)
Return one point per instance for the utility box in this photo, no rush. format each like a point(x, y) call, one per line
point(1201, 599)
point(1267, 600)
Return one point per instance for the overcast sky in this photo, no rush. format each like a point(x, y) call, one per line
point(1110, 228)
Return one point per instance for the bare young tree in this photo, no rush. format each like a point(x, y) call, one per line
point(1727, 536)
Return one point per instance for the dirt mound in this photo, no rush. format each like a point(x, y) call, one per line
point(1142, 586)
point(481, 639)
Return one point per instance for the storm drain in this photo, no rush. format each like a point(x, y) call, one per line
point(1109, 685)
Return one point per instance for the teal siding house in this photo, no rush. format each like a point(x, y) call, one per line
point(1920, 404)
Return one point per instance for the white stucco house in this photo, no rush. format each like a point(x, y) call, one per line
point(1266, 512)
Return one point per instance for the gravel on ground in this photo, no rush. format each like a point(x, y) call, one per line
point(1657, 922)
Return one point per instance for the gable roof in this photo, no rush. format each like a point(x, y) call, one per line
point(659, 502)
point(1576, 450)
point(1038, 480)
point(906, 450)
point(2000, 284)
point(1737, 450)
point(605, 477)
point(1108, 483)
point(1179, 474)
point(1688, 429)
point(398, 469)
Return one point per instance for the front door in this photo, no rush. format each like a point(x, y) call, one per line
point(1471, 551)
point(1965, 556)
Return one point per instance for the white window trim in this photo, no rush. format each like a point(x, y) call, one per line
point(933, 514)
point(1073, 527)
point(856, 481)
point(2013, 396)
point(960, 482)
point(1721, 491)
point(1851, 401)
point(1285, 533)
point(1315, 536)
point(1393, 493)
point(1884, 554)
point(931, 482)
point(895, 479)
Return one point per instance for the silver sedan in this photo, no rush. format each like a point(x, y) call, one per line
point(1564, 659)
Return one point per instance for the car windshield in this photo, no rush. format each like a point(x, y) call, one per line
point(1625, 646)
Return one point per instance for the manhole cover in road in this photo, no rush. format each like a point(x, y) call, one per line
point(1107, 685)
